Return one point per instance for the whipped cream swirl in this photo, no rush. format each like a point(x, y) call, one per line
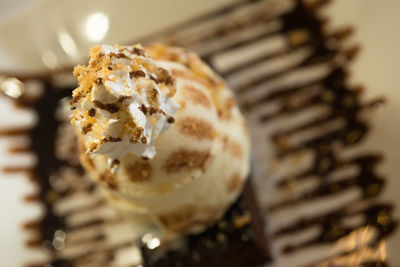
point(123, 102)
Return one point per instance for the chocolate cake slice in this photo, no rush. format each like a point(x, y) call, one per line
point(238, 239)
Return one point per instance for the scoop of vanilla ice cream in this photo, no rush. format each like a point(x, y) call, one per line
point(195, 158)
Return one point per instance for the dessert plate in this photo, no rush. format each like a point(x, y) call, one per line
point(325, 148)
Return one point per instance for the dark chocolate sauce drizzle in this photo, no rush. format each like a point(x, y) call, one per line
point(342, 100)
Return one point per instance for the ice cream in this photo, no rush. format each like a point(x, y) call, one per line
point(162, 134)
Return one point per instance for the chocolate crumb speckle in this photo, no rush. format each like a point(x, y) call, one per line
point(115, 162)
point(87, 128)
point(111, 139)
point(93, 147)
point(154, 79)
point(170, 120)
point(147, 110)
point(121, 55)
point(143, 140)
point(138, 51)
point(136, 74)
point(169, 80)
point(112, 108)
point(99, 81)
point(92, 112)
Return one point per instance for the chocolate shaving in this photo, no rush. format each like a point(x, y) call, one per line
point(87, 128)
point(76, 97)
point(136, 74)
point(99, 81)
point(92, 112)
point(164, 77)
point(170, 120)
point(111, 139)
point(115, 162)
point(138, 51)
point(112, 108)
point(154, 79)
point(147, 110)
point(168, 80)
point(121, 55)
point(122, 98)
